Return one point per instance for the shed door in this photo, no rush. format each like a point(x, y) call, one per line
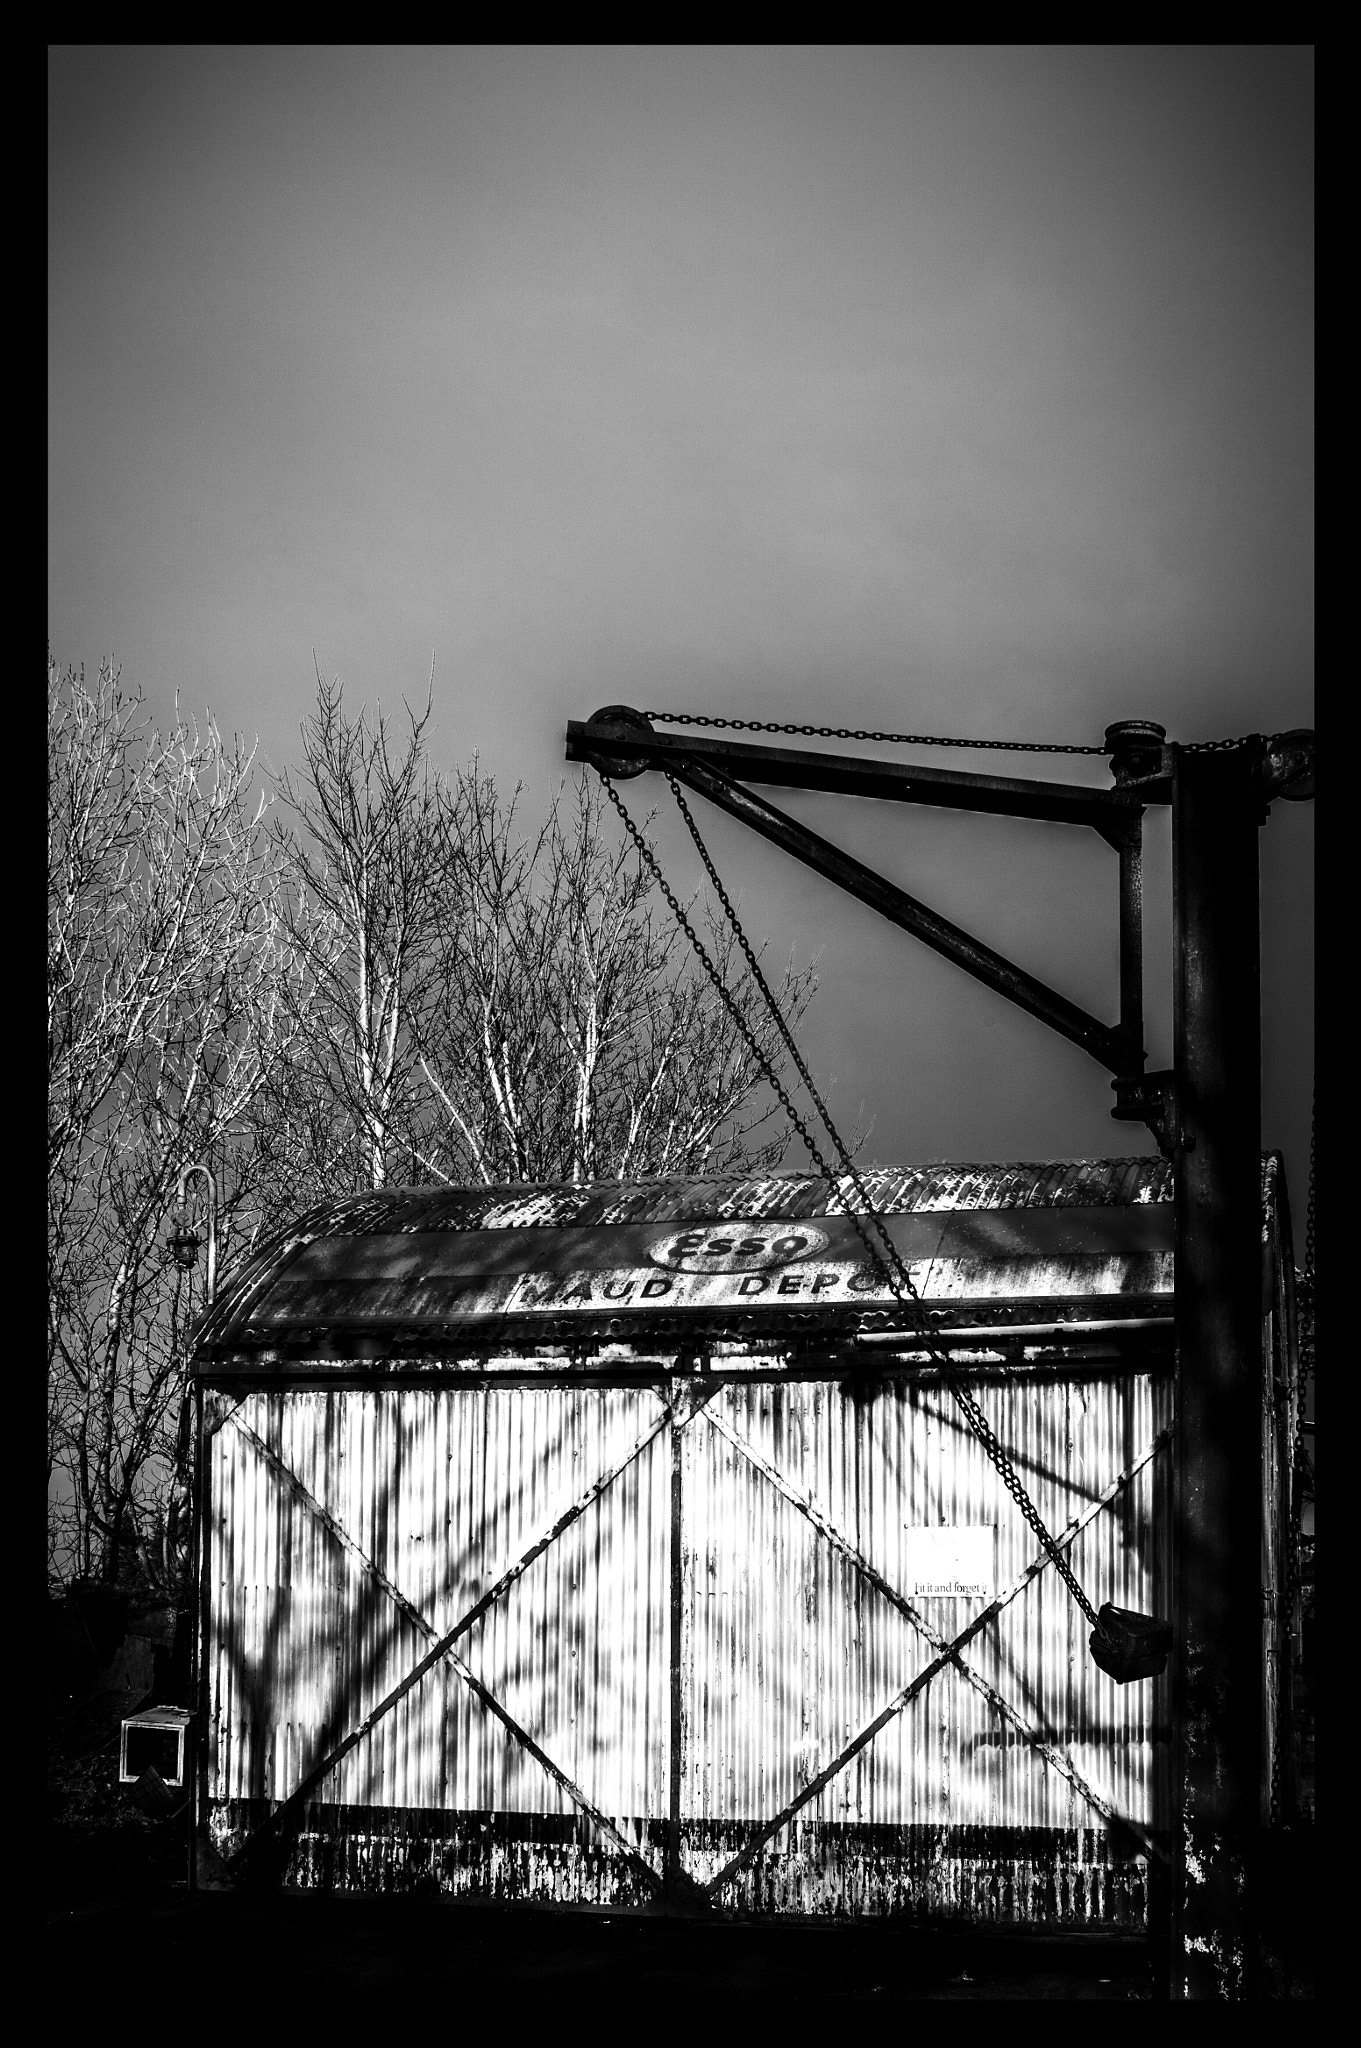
point(843, 1751)
point(609, 1646)
point(528, 1532)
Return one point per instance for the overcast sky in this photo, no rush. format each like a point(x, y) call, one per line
point(961, 391)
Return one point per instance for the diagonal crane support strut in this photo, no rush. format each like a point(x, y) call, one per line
point(1104, 1042)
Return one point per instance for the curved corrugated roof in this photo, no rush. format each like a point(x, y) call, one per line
point(431, 1263)
point(893, 1190)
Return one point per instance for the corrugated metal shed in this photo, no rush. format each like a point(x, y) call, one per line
point(555, 1559)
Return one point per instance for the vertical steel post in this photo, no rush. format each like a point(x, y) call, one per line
point(1217, 808)
point(1132, 945)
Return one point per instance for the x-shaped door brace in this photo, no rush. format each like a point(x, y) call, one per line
point(680, 1414)
point(947, 1652)
point(442, 1646)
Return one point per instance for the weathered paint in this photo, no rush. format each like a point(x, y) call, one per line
point(894, 1190)
point(394, 1278)
point(617, 1622)
point(350, 1527)
point(441, 1492)
point(451, 1260)
point(798, 1649)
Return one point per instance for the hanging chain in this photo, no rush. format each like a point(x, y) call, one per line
point(885, 1255)
point(1293, 1574)
point(1309, 1253)
point(918, 739)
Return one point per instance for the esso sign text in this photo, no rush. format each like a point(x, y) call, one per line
point(737, 1247)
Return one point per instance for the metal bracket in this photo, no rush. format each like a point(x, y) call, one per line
point(1149, 1099)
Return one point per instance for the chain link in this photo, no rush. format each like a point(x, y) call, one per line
point(885, 1255)
point(1309, 1223)
point(1290, 1590)
point(846, 732)
point(919, 739)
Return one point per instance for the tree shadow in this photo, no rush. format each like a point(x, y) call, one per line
point(790, 1658)
point(360, 1642)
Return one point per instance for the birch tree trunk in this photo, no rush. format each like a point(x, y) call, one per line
point(390, 982)
point(565, 1032)
point(363, 843)
point(173, 996)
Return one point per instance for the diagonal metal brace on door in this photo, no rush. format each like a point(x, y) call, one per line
point(828, 1529)
point(276, 1827)
point(948, 1654)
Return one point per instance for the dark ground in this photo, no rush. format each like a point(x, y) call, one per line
point(292, 1945)
point(121, 1919)
point(119, 1912)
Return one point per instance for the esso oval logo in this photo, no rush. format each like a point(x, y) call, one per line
point(737, 1247)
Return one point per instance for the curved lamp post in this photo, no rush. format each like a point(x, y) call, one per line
point(185, 1240)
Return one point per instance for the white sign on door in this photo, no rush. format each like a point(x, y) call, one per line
point(951, 1563)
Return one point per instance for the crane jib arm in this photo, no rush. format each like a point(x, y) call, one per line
point(622, 743)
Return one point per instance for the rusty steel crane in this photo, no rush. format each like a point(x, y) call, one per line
point(1205, 1113)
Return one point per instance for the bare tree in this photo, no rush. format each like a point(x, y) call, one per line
point(398, 984)
point(173, 991)
point(365, 844)
point(499, 1005)
point(567, 1033)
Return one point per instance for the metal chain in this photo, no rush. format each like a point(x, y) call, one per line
point(1292, 1574)
point(886, 1255)
point(919, 739)
point(846, 732)
point(1309, 1246)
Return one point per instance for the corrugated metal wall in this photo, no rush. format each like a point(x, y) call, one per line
point(788, 1648)
point(791, 1652)
point(441, 1490)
